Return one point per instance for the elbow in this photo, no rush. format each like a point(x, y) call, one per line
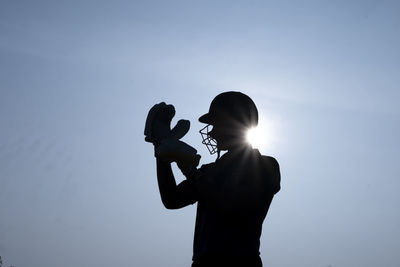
point(170, 207)
point(170, 204)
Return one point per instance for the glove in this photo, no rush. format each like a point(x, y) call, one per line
point(158, 123)
point(168, 147)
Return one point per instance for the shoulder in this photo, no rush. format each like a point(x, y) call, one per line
point(270, 162)
point(271, 166)
point(265, 161)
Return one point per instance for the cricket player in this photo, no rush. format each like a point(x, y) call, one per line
point(233, 194)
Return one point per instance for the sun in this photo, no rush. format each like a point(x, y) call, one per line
point(261, 137)
point(254, 137)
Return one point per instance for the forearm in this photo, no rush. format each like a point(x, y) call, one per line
point(166, 183)
point(174, 196)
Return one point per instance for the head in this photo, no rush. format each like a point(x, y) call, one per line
point(231, 114)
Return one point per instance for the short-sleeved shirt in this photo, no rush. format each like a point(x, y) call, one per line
point(233, 194)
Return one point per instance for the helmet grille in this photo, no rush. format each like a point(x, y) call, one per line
point(210, 142)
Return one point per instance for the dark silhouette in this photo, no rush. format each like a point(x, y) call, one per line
point(233, 194)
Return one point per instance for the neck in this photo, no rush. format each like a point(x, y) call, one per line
point(239, 148)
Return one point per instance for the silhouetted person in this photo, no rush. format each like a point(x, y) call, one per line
point(233, 194)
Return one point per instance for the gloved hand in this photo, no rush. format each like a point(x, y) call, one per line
point(168, 147)
point(158, 124)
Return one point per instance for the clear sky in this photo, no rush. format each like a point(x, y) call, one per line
point(77, 180)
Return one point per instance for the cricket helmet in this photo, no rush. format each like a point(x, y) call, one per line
point(232, 107)
point(234, 110)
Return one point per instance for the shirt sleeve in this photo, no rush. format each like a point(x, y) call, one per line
point(186, 193)
point(274, 175)
point(189, 190)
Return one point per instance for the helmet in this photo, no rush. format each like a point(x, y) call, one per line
point(232, 109)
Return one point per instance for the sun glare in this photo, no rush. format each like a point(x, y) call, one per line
point(254, 137)
point(260, 137)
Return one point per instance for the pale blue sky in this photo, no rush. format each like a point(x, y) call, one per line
point(77, 180)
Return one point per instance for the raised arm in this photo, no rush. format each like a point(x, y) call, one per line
point(168, 148)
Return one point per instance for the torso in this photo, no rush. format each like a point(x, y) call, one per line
point(234, 197)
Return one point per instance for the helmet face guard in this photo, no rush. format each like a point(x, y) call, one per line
point(210, 142)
